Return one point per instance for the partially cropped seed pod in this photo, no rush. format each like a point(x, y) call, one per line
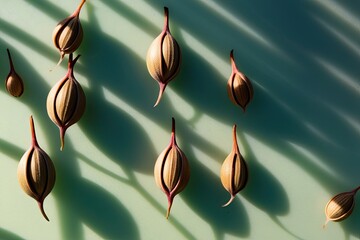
point(234, 172)
point(66, 101)
point(172, 171)
point(13, 83)
point(239, 87)
point(163, 57)
point(36, 172)
point(340, 206)
point(68, 34)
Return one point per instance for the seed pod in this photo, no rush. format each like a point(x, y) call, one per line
point(340, 206)
point(66, 101)
point(13, 83)
point(239, 87)
point(234, 172)
point(36, 172)
point(68, 34)
point(172, 171)
point(163, 57)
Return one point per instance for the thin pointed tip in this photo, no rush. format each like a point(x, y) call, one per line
point(235, 143)
point(78, 9)
point(232, 53)
point(168, 210)
point(62, 138)
point(166, 19)
point(62, 55)
point(158, 99)
point(230, 201)
point(62, 144)
point(170, 201)
point(173, 124)
point(32, 132)
point(161, 91)
point(356, 189)
point(41, 206)
point(10, 60)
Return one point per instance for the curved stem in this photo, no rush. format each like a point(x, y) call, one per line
point(232, 60)
point(166, 19)
point(170, 201)
point(71, 64)
point(235, 144)
point(78, 9)
point(10, 60)
point(161, 91)
point(173, 135)
point(230, 201)
point(356, 189)
point(62, 137)
point(34, 142)
point(41, 206)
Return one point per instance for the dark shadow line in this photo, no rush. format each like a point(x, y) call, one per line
point(11, 150)
point(281, 225)
point(133, 17)
point(132, 181)
point(26, 39)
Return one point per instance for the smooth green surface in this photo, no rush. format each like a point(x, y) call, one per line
point(299, 136)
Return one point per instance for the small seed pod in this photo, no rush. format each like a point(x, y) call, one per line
point(66, 101)
point(68, 34)
point(239, 87)
point(13, 83)
point(340, 206)
point(36, 172)
point(172, 171)
point(234, 172)
point(163, 57)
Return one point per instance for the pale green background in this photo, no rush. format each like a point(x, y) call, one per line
point(300, 135)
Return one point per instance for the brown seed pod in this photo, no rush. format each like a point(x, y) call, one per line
point(13, 83)
point(234, 172)
point(66, 101)
point(239, 87)
point(163, 57)
point(36, 172)
point(340, 206)
point(171, 171)
point(68, 34)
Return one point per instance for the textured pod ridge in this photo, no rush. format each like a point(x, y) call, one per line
point(239, 87)
point(234, 171)
point(340, 206)
point(68, 34)
point(36, 172)
point(66, 101)
point(171, 170)
point(163, 57)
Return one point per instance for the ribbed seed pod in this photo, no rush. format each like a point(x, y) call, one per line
point(340, 206)
point(13, 83)
point(66, 101)
point(36, 172)
point(234, 172)
point(68, 34)
point(163, 57)
point(171, 171)
point(239, 87)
